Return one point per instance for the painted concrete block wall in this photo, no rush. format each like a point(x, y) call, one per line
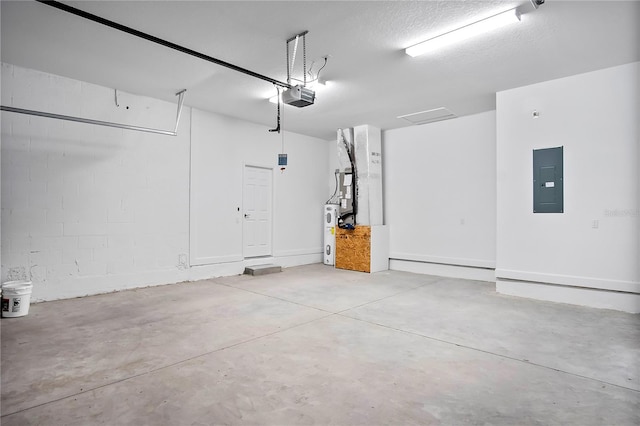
point(595, 242)
point(439, 190)
point(221, 147)
point(88, 209)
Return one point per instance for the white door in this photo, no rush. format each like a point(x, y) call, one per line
point(257, 211)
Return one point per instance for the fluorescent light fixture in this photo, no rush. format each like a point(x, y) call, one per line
point(430, 116)
point(463, 33)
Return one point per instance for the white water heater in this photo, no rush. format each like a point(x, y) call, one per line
point(330, 219)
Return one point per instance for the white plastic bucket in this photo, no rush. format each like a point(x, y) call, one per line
point(16, 297)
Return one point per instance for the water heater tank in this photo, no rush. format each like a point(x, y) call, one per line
point(330, 219)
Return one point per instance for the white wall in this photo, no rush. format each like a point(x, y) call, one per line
point(89, 209)
point(221, 146)
point(440, 199)
point(595, 117)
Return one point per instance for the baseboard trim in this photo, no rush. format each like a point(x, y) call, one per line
point(298, 260)
point(569, 280)
point(443, 270)
point(582, 296)
point(442, 260)
point(101, 284)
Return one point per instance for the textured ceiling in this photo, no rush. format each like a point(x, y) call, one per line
point(371, 80)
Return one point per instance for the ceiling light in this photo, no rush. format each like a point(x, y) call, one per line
point(430, 116)
point(463, 33)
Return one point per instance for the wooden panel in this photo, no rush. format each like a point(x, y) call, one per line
point(353, 249)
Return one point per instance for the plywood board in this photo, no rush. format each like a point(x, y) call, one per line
point(353, 249)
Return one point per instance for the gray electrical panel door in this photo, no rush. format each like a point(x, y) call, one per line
point(548, 191)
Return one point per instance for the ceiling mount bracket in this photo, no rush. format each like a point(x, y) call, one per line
point(299, 95)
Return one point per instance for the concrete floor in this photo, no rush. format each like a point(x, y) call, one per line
point(315, 345)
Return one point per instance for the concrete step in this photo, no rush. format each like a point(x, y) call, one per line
point(262, 269)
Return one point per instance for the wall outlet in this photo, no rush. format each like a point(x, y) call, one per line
point(595, 224)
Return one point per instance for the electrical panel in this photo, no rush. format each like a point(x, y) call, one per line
point(548, 184)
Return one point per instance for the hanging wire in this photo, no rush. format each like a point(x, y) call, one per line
point(310, 72)
point(326, 58)
point(333, 199)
